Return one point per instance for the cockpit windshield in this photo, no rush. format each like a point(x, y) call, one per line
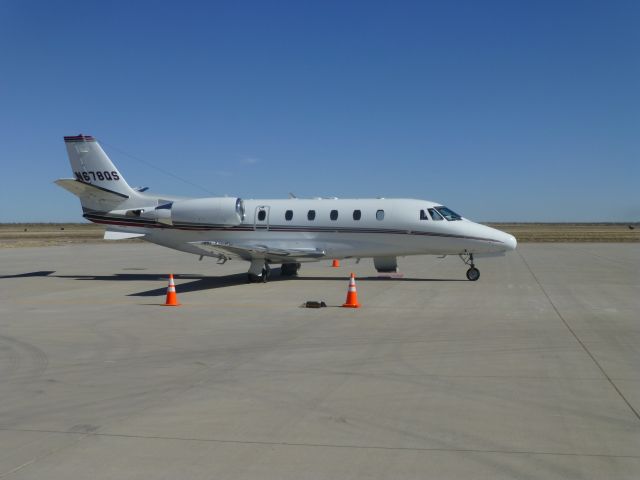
point(447, 213)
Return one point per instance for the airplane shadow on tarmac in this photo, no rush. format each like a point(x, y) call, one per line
point(200, 282)
point(42, 273)
point(236, 279)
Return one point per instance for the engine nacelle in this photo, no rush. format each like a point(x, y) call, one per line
point(386, 264)
point(222, 211)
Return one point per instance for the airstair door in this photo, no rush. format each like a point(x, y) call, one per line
point(262, 218)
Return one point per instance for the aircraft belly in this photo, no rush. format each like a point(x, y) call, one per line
point(334, 244)
point(170, 238)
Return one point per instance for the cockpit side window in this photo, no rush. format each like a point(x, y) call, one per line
point(423, 215)
point(435, 215)
point(447, 213)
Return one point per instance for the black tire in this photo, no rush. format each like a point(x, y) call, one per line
point(262, 278)
point(289, 269)
point(254, 278)
point(473, 274)
point(285, 270)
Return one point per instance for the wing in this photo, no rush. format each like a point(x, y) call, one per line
point(228, 251)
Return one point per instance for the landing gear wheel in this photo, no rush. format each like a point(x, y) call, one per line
point(289, 269)
point(259, 272)
point(263, 278)
point(473, 274)
point(254, 278)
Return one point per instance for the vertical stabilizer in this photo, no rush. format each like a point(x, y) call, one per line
point(91, 165)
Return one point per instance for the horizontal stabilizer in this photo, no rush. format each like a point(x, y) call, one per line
point(83, 190)
point(115, 235)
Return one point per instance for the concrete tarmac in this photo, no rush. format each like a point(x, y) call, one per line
point(531, 372)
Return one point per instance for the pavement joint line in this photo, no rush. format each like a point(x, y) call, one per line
point(41, 457)
point(318, 445)
point(18, 468)
point(584, 347)
point(432, 375)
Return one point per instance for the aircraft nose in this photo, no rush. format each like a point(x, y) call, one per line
point(510, 241)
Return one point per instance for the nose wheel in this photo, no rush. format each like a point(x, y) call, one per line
point(473, 273)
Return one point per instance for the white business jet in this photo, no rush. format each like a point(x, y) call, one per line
point(266, 232)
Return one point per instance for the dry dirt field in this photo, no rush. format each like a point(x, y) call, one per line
point(571, 232)
point(14, 235)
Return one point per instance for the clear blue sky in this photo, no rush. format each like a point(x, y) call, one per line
point(502, 110)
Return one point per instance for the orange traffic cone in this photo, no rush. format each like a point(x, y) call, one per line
point(352, 294)
point(335, 263)
point(172, 298)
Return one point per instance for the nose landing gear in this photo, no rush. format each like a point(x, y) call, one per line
point(473, 273)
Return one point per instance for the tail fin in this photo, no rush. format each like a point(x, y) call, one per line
point(91, 165)
point(98, 183)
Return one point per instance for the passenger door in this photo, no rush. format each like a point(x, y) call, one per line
point(261, 221)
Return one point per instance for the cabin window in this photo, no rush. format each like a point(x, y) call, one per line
point(423, 215)
point(357, 214)
point(333, 215)
point(380, 215)
point(435, 215)
point(288, 215)
point(262, 214)
point(311, 215)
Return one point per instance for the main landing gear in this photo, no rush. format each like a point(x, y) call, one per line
point(259, 272)
point(473, 273)
point(289, 269)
